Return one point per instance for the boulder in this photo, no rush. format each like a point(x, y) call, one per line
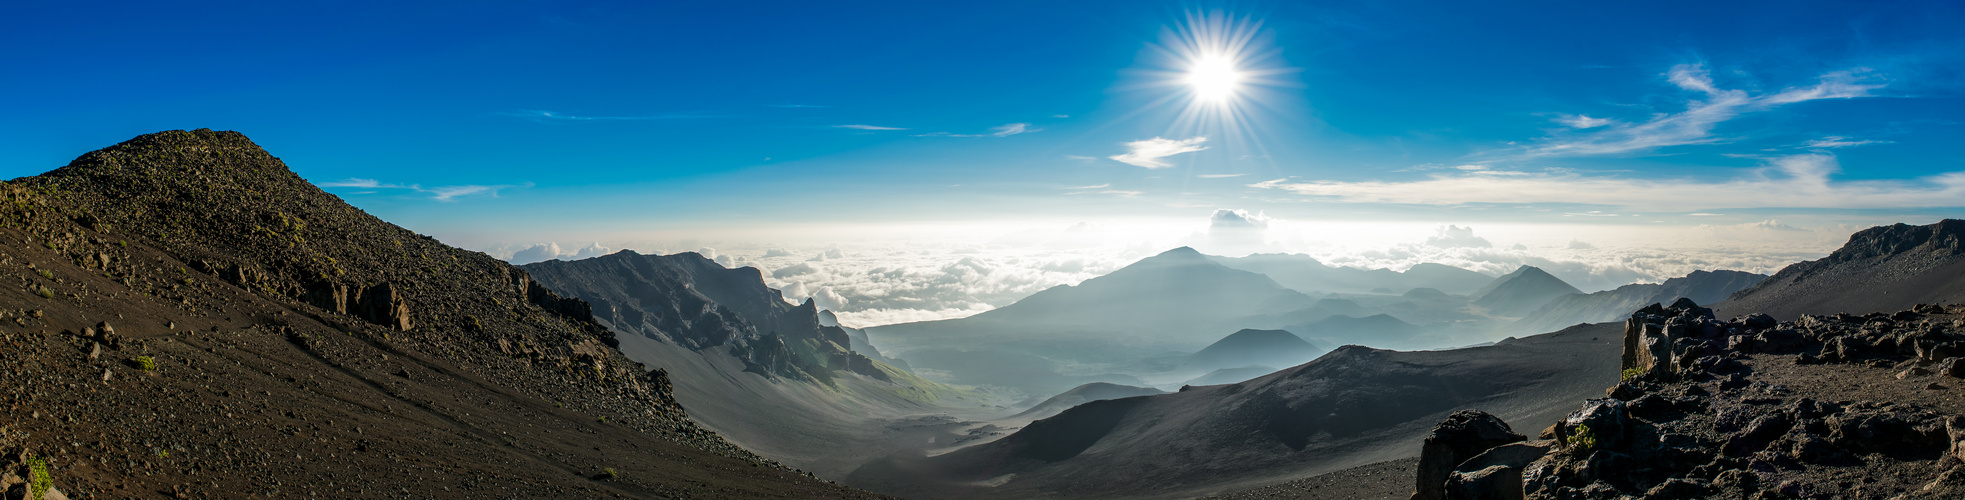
point(1497, 482)
point(1461, 436)
point(1600, 423)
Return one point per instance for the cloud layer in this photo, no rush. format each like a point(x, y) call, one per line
point(439, 193)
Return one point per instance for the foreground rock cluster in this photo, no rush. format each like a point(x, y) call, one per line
point(1841, 406)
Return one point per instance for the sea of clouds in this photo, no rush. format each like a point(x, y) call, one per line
point(876, 282)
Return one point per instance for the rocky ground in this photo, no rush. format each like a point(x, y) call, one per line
point(183, 316)
point(1841, 406)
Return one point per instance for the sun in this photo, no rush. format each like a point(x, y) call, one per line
point(1214, 78)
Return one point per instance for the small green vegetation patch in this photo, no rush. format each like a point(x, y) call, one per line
point(145, 363)
point(1583, 439)
point(38, 482)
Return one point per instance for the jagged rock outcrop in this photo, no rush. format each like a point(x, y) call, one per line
point(691, 301)
point(1755, 408)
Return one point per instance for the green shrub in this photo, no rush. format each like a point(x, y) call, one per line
point(38, 482)
point(44, 292)
point(1583, 438)
point(47, 274)
point(609, 473)
point(1631, 373)
point(145, 363)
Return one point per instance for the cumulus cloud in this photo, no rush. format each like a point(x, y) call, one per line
point(592, 250)
point(536, 253)
point(1451, 236)
point(1575, 244)
point(777, 252)
point(1694, 125)
point(1795, 181)
point(1149, 153)
point(799, 269)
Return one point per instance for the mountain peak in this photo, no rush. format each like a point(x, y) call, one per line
point(1180, 253)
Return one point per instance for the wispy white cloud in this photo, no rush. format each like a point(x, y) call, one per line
point(1695, 124)
point(1582, 121)
point(551, 116)
point(1149, 152)
point(1836, 141)
point(439, 193)
point(1797, 181)
point(867, 127)
point(1005, 130)
point(1219, 176)
point(1079, 158)
point(1098, 186)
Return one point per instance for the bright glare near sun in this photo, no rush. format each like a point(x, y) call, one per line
point(1221, 73)
point(1214, 78)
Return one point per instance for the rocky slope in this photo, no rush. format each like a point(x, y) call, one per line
point(191, 318)
point(1835, 406)
point(1704, 287)
point(1880, 269)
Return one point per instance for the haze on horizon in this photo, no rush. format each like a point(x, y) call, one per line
point(901, 162)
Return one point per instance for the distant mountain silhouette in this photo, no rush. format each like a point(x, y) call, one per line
point(1704, 287)
point(1880, 269)
point(1377, 330)
point(1521, 292)
point(1301, 272)
point(1254, 347)
point(1157, 305)
point(1095, 391)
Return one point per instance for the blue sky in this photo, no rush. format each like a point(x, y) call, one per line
point(511, 123)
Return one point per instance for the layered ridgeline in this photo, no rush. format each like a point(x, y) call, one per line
point(1143, 318)
point(195, 319)
point(1351, 407)
point(1880, 269)
point(1303, 273)
point(1704, 287)
point(780, 379)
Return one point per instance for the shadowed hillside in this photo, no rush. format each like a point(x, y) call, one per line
point(1880, 269)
